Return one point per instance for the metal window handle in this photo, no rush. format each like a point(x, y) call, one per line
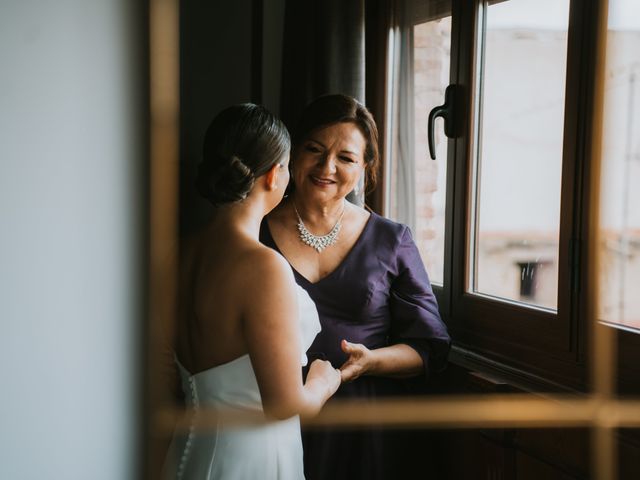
point(447, 112)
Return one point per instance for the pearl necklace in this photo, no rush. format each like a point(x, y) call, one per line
point(319, 242)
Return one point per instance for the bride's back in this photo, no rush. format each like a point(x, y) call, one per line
point(213, 289)
point(242, 174)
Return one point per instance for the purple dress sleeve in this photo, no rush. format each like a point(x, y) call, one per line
point(415, 319)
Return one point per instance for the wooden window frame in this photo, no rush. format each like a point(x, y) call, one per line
point(537, 348)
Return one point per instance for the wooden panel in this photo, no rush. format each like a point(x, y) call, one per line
point(531, 469)
point(568, 449)
point(629, 454)
point(470, 455)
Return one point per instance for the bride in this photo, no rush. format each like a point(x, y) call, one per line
point(244, 324)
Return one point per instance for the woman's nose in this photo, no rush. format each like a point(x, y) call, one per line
point(328, 164)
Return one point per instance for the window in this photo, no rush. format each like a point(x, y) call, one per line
point(518, 159)
point(418, 184)
point(620, 171)
point(502, 216)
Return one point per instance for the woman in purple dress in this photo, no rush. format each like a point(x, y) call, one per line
point(380, 320)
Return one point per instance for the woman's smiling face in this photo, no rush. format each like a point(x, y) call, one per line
point(329, 162)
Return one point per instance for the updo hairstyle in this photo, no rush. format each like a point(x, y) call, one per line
point(337, 108)
point(242, 143)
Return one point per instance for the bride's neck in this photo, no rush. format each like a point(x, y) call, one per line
point(244, 218)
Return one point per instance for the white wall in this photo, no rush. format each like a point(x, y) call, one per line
point(69, 230)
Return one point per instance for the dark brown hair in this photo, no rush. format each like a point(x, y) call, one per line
point(338, 108)
point(242, 143)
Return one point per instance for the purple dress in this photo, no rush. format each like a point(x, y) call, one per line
point(378, 296)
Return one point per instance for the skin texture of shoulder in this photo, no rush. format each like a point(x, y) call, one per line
point(268, 285)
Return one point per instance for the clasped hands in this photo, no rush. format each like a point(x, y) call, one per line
point(361, 360)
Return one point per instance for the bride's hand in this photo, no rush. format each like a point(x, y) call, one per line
point(322, 369)
point(360, 360)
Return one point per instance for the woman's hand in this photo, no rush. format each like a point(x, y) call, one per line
point(322, 370)
point(360, 361)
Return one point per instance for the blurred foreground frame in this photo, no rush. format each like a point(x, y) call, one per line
point(600, 410)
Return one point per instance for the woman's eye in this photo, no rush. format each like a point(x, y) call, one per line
point(347, 159)
point(312, 149)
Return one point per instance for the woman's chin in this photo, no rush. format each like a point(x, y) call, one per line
point(326, 197)
point(312, 191)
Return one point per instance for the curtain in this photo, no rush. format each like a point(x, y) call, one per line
point(323, 52)
point(335, 46)
point(402, 134)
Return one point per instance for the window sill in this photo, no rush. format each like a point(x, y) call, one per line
point(501, 377)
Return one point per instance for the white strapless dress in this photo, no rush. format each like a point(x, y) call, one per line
point(269, 451)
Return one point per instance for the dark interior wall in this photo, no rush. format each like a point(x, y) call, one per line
point(216, 60)
point(215, 71)
point(273, 29)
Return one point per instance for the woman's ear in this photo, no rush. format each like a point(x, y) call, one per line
point(271, 177)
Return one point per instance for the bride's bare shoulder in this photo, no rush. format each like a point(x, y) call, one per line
point(263, 262)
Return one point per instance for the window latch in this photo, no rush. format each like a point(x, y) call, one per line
point(447, 112)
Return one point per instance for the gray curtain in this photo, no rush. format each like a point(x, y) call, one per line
point(323, 52)
point(402, 141)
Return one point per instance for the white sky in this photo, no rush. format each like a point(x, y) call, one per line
point(624, 14)
point(554, 14)
point(547, 14)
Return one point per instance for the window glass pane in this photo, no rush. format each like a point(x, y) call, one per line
point(519, 151)
point(418, 187)
point(620, 196)
point(431, 58)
